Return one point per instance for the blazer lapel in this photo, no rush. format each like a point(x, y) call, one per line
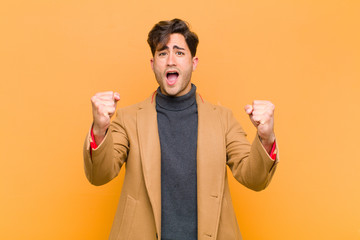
point(211, 168)
point(150, 156)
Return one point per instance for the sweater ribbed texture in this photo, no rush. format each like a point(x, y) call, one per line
point(178, 126)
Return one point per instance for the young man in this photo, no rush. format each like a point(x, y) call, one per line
point(176, 147)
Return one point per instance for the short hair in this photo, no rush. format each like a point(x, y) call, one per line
point(160, 33)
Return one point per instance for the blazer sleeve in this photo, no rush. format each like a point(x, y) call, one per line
point(104, 163)
point(251, 165)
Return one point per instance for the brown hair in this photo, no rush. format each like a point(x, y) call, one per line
point(159, 35)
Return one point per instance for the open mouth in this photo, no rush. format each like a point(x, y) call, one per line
point(171, 77)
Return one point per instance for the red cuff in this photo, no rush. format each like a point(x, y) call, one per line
point(273, 153)
point(92, 142)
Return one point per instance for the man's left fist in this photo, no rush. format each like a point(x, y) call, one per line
point(261, 114)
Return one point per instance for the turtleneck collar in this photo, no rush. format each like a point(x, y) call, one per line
point(176, 103)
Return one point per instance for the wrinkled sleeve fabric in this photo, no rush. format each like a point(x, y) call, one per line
point(250, 164)
point(104, 162)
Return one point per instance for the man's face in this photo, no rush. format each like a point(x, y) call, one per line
point(173, 66)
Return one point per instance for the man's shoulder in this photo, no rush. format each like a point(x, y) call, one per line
point(217, 107)
point(135, 107)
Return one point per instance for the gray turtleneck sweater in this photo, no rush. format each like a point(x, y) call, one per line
point(178, 127)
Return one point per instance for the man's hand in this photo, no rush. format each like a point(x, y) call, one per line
point(261, 114)
point(103, 108)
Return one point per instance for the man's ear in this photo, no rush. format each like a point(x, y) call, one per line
point(195, 61)
point(152, 63)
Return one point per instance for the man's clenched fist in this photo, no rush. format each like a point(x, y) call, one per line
point(103, 108)
point(261, 114)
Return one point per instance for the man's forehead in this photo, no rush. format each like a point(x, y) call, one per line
point(175, 41)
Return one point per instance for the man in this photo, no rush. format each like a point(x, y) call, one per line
point(176, 147)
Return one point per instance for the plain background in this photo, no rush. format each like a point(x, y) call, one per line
point(304, 56)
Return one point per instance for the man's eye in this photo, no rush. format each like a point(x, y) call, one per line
point(162, 54)
point(179, 53)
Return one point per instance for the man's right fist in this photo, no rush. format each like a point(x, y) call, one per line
point(103, 108)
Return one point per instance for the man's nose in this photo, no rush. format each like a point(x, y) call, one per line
point(171, 61)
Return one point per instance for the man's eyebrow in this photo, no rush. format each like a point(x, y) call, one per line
point(166, 47)
point(162, 48)
point(177, 47)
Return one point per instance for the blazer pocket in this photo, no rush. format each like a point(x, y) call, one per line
point(127, 218)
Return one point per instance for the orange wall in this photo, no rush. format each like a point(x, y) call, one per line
point(302, 55)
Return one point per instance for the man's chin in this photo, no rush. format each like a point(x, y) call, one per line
point(174, 90)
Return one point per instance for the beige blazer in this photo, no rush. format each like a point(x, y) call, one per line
point(133, 139)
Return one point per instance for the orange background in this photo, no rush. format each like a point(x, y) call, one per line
point(304, 56)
